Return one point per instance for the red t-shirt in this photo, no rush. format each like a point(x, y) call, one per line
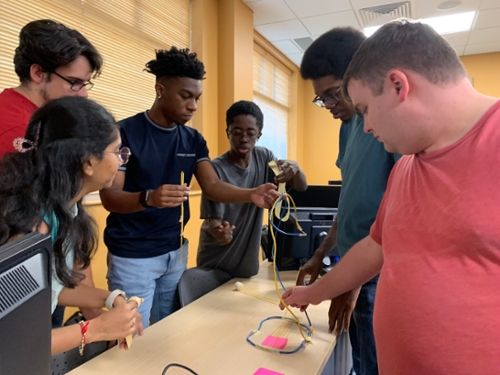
point(15, 113)
point(437, 309)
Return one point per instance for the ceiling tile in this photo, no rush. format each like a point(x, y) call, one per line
point(472, 49)
point(270, 11)
point(296, 58)
point(459, 50)
point(457, 39)
point(491, 34)
point(428, 9)
point(488, 18)
point(283, 30)
point(320, 24)
point(310, 8)
point(489, 4)
point(286, 46)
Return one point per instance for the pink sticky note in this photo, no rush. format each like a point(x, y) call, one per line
point(265, 371)
point(275, 342)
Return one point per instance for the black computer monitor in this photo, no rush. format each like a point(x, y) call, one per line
point(25, 305)
point(293, 251)
point(316, 211)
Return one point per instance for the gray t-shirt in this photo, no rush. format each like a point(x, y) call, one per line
point(239, 258)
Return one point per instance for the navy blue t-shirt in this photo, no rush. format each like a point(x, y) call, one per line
point(158, 156)
point(365, 166)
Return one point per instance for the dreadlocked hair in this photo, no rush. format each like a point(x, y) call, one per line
point(176, 63)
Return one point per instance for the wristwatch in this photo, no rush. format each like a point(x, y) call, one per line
point(143, 198)
point(112, 296)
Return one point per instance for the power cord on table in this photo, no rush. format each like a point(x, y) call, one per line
point(177, 365)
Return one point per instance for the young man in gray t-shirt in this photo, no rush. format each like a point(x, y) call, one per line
point(230, 233)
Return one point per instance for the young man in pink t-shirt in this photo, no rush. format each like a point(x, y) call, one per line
point(436, 239)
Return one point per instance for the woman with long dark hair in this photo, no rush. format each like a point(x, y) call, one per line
point(71, 148)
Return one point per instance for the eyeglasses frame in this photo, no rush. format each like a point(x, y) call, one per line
point(88, 85)
point(322, 101)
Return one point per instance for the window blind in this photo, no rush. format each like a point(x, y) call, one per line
point(271, 90)
point(126, 33)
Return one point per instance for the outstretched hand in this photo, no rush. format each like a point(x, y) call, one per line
point(297, 296)
point(312, 268)
point(264, 195)
point(289, 168)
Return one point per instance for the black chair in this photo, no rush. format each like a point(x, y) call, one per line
point(198, 281)
point(64, 362)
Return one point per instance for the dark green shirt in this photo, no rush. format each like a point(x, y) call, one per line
point(365, 166)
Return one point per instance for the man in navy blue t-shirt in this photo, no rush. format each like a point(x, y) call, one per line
point(143, 231)
point(365, 168)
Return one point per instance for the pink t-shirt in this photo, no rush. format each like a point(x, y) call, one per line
point(437, 309)
point(15, 113)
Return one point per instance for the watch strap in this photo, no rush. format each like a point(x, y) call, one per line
point(112, 296)
point(143, 198)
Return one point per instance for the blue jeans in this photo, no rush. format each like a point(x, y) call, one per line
point(364, 355)
point(153, 279)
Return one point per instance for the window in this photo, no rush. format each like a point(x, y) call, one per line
point(126, 33)
point(271, 84)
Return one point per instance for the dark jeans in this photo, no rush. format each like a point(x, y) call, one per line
point(364, 356)
point(58, 317)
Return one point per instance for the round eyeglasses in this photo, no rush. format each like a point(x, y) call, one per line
point(123, 155)
point(239, 134)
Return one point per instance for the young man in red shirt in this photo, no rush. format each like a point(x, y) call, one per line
point(51, 61)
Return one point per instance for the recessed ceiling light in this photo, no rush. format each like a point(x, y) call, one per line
point(453, 23)
point(447, 5)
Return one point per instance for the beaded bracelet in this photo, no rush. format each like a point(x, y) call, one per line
point(84, 327)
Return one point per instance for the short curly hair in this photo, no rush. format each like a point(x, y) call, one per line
point(176, 63)
point(51, 45)
point(331, 53)
point(244, 107)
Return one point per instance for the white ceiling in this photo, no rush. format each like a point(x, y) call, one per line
point(282, 21)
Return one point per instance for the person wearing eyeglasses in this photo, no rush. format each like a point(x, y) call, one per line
point(51, 61)
point(61, 159)
point(365, 167)
point(230, 233)
point(149, 196)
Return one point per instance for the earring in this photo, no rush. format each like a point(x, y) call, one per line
point(159, 96)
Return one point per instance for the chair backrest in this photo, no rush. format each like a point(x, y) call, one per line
point(198, 281)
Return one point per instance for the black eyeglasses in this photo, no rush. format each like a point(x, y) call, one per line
point(239, 134)
point(322, 101)
point(76, 85)
point(123, 154)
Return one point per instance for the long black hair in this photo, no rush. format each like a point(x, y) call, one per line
point(38, 185)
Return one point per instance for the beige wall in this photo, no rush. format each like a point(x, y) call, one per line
point(484, 69)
